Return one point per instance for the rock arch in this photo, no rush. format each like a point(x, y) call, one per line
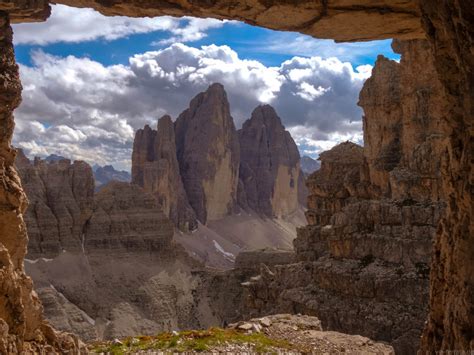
point(446, 24)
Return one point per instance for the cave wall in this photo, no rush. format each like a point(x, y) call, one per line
point(22, 327)
point(449, 28)
point(447, 25)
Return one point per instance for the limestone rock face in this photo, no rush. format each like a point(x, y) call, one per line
point(208, 154)
point(64, 315)
point(411, 118)
point(269, 164)
point(373, 213)
point(125, 218)
point(155, 168)
point(61, 197)
point(342, 20)
point(341, 176)
point(22, 327)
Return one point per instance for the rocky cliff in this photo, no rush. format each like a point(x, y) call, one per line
point(155, 168)
point(208, 154)
point(269, 165)
point(122, 274)
point(372, 215)
point(61, 196)
point(125, 219)
point(22, 326)
point(202, 162)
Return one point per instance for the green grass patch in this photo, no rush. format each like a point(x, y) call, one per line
point(193, 340)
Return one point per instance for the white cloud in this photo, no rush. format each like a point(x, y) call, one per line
point(194, 30)
point(68, 24)
point(80, 108)
point(297, 44)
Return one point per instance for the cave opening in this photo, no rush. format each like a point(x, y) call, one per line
point(395, 165)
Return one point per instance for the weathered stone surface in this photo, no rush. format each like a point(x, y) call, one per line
point(252, 259)
point(342, 175)
point(26, 10)
point(208, 154)
point(21, 321)
point(412, 117)
point(61, 197)
point(155, 168)
point(64, 315)
point(448, 25)
point(128, 277)
point(373, 213)
point(269, 165)
point(342, 20)
point(125, 218)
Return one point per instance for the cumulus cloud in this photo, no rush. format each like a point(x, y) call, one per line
point(83, 109)
point(68, 24)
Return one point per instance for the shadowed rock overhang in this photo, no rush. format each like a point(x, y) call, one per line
point(342, 20)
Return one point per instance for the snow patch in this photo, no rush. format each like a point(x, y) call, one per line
point(83, 240)
point(29, 261)
point(227, 255)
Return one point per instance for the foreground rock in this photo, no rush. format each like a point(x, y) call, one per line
point(22, 326)
point(280, 333)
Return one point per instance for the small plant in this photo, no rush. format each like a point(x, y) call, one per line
point(192, 340)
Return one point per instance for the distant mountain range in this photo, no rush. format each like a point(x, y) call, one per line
point(102, 174)
point(54, 157)
point(107, 173)
point(309, 165)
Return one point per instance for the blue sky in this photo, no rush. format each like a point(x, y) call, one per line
point(250, 42)
point(90, 81)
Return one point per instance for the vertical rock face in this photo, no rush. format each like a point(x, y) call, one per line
point(208, 154)
point(125, 219)
point(372, 214)
point(155, 168)
point(269, 166)
point(61, 198)
point(341, 176)
point(412, 117)
point(448, 26)
point(22, 328)
point(143, 153)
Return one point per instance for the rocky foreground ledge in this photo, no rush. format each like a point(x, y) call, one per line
point(281, 334)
